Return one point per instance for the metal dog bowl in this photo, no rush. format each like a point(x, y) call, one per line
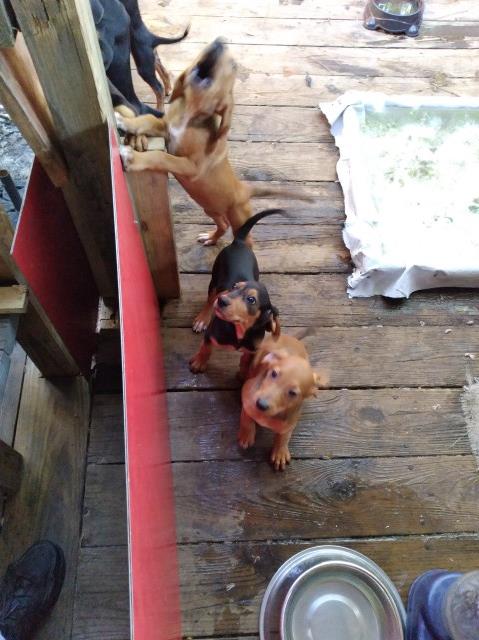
point(394, 16)
point(333, 586)
point(339, 601)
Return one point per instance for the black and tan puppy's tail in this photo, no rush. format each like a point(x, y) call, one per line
point(243, 231)
point(157, 40)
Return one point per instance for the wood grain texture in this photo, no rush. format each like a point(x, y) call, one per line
point(307, 249)
point(327, 9)
point(7, 37)
point(101, 603)
point(334, 61)
point(104, 517)
point(382, 422)
point(343, 423)
point(307, 88)
point(13, 299)
point(11, 464)
point(316, 32)
point(51, 436)
point(77, 90)
point(321, 300)
point(11, 395)
point(150, 195)
point(354, 357)
point(326, 498)
point(223, 584)
point(327, 206)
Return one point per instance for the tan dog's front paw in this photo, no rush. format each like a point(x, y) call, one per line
point(280, 457)
point(138, 142)
point(246, 437)
point(207, 239)
point(197, 364)
point(127, 156)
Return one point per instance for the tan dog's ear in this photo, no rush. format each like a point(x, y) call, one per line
point(321, 381)
point(179, 88)
point(274, 356)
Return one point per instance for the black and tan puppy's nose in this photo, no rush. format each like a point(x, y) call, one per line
point(262, 404)
point(223, 302)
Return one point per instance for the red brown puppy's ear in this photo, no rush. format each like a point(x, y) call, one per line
point(321, 381)
point(274, 357)
point(179, 88)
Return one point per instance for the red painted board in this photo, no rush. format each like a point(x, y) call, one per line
point(154, 583)
point(48, 252)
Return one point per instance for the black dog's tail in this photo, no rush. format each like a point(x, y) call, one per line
point(160, 40)
point(243, 231)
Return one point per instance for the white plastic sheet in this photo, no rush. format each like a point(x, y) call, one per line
point(409, 169)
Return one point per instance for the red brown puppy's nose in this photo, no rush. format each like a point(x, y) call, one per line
point(223, 302)
point(262, 404)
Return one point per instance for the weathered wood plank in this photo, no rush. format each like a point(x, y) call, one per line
point(11, 396)
point(51, 435)
point(150, 195)
point(104, 515)
point(327, 9)
point(316, 32)
point(308, 249)
point(324, 498)
point(354, 357)
point(370, 422)
point(13, 299)
point(106, 430)
point(223, 584)
point(11, 465)
point(62, 41)
point(7, 36)
point(343, 423)
point(101, 604)
point(327, 207)
point(321, 300)
point(306, 89)
point(330, 61)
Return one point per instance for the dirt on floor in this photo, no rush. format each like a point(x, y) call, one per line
point(16, 157)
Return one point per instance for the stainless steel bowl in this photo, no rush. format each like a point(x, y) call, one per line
point(292, 569)
point(339, 600)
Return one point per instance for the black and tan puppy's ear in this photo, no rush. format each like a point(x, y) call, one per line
point(273, 325)
point(179, 87)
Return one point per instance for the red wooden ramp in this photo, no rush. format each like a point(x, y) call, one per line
point(154, 590)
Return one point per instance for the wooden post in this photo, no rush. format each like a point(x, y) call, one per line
point(10, 469)
point(63, 44)
point(150, 195)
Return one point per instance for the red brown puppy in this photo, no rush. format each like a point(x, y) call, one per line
point(279, 380)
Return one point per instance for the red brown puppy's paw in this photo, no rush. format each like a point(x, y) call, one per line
point(280, 457)
point(198, 364)
point(246, 437)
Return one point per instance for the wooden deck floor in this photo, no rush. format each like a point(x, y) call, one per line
point(382, 461)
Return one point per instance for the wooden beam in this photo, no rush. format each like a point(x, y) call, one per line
point(150, 195)
point(51, 435)
point(13, 299)
point(36, 333)
point(7, 35)
point(10, 469)
point(22, 96)
point(62, 41)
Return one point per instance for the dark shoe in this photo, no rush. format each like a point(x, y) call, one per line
point(29, 590)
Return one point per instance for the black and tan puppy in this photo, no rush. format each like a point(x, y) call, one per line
point(242, 309)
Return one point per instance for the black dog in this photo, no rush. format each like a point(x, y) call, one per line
point(242, 309)
point(121, 30)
